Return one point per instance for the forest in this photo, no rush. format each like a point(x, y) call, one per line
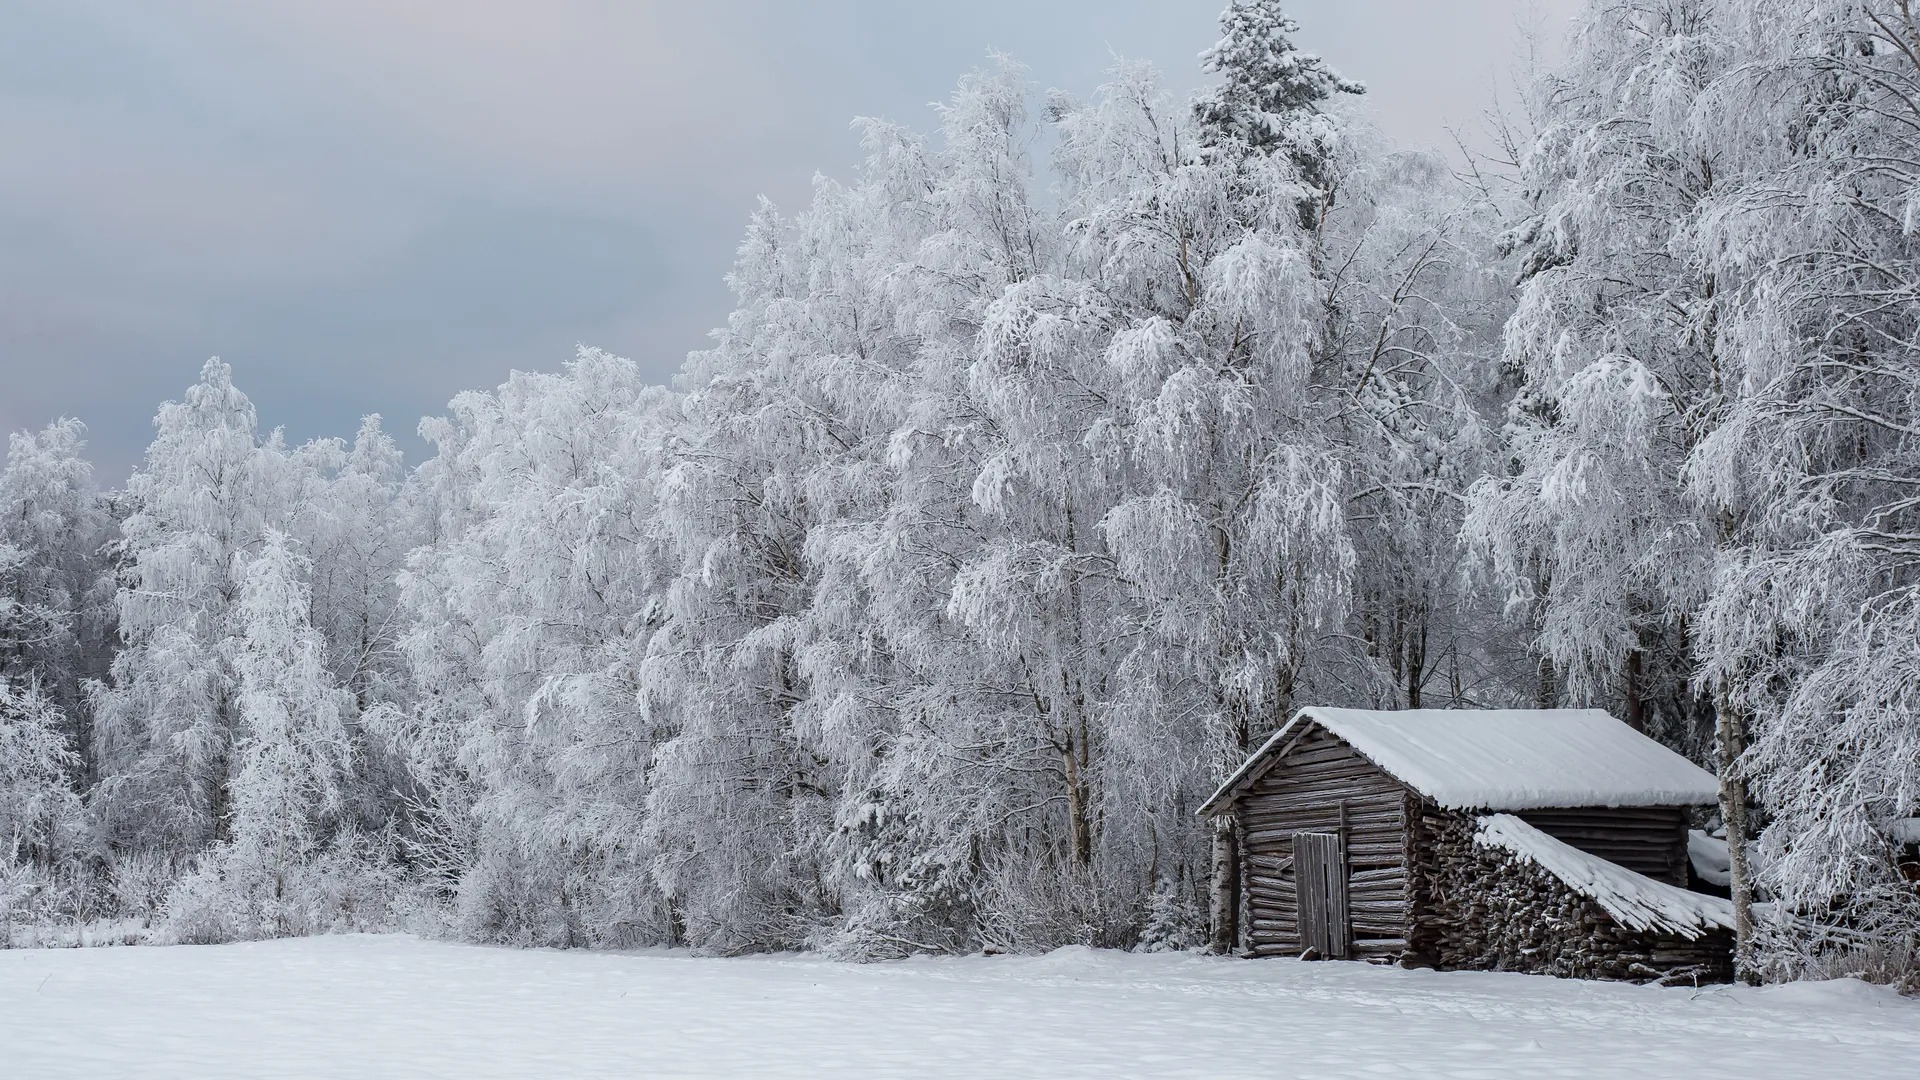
point(1044, 467)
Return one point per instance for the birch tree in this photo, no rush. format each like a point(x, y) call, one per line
point(1809, 635)
point(531, 613)
point(41, 816)
point(200, 505)
point(292, 756)
point(56, 615)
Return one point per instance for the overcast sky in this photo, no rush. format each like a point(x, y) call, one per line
point(371, 205)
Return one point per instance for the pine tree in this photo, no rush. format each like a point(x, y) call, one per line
point(1269, 101)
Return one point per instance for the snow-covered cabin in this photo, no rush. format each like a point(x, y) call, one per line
point(1550, 840)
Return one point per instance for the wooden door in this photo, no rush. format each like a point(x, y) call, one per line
point(1320, 875)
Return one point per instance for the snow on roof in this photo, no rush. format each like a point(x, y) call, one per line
point(1504, 759)
point(1708, 854)
point(1634, 900)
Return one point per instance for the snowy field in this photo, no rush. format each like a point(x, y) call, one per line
point(368, 1007)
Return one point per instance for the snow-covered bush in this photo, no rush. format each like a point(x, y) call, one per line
point(1174, 919)
point(138, 883)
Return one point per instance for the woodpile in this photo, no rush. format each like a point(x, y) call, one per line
point(1489, 910)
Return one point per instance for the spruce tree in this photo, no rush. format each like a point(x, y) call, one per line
point(1269, 99)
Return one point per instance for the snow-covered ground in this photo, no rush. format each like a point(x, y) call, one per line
point(367, 1007)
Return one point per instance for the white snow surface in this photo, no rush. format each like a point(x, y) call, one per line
point(1633, 899)
point(1905, 830)
point(1509, 759)
point(375, 1007)
point(1709, 857)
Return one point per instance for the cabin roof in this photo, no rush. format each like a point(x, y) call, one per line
point(1499, 759)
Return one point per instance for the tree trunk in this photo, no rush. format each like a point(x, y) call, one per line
point(1636, 697)
point(1730, 734)
point(1226, 887)
point(1079, 829)
point(1416, 658)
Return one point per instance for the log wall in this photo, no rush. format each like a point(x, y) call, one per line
point(1650, 840)
point(1319, 783)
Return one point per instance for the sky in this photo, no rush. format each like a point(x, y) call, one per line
point(372, 205)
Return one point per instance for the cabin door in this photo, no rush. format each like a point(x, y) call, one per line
point(1320, 873)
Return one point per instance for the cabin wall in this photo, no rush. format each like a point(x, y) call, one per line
point(1303, 790)
point(1650, 840)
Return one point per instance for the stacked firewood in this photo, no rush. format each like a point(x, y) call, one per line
point(1494, 911)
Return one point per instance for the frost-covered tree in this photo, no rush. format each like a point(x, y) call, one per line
point(531, 606)
point(988, 675)
point(1706, 505)
point(29, 627)
point(1614, 344)
point(1269, 100)
point(55, 588)
point(199, 507)
point(741, 793)
point(43, 829)
point(40, 812)
point(1810, 631)
point(292, 755)
point(1200, 321)
point(347, 513)
point(355, 530)
point(1616, 341)
point(1413, 342)
point(1262, 375)
point(294, 751)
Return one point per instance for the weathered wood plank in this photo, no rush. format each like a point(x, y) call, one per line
point(1309, 790)
point(1392, 873)
point(1378, 849)
point(1393, 946)
point(1284, 780)
point(1349, 770)
point(1307, 794)
point(1309, 731)
point(1367, 819)
point(1322, 877)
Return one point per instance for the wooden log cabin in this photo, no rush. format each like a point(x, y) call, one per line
point(1511, 839)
